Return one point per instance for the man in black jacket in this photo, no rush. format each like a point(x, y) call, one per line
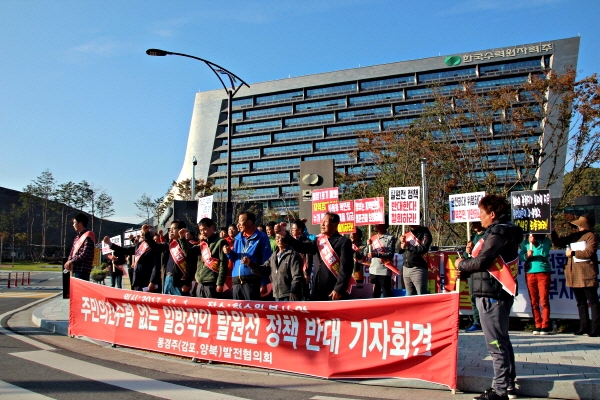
point(414, 246)
point(143, 262)
point(331, 277)
point(499, 245)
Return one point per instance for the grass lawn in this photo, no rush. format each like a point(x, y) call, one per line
point(29, 266)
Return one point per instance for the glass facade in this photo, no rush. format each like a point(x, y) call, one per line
point(321, 122)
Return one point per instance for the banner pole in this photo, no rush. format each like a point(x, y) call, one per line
point(369, 238)
point(468, 231)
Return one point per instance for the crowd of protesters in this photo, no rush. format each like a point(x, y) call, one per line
point(247, 258)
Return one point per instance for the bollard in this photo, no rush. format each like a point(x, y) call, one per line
point(29, 278)
point(8, 287)
point(22, 278)
point(16, 279)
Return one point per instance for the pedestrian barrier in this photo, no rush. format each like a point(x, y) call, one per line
point(13, 278)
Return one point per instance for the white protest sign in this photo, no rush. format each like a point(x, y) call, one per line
point(126, 235)
point(106, 248)
point(204, 207)
point(405, 206)
point(465, 207)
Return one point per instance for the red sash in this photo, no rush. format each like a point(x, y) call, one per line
point(505, 272)
point(141, 250)
point(411, 239)
point(81, 241)
point(179, 257)
point(330, 258)
point(355, 248)
point(121, 267)
point(378, 247)
point(211, 262)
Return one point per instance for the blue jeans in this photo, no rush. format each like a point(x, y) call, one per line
point(116, 280)
point(168, 288)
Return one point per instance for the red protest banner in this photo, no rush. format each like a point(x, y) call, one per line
point(369, 211)
point(413, 337)
point(320, 199)
point(345, 209)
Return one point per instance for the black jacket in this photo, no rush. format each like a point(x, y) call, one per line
point(144, 268)
point(414, 256)
point(501, 238)
point(191, 254)
point(286, 274)
point(324, 282)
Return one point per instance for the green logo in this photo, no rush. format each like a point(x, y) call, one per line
point(495, 342)
point(452, 61)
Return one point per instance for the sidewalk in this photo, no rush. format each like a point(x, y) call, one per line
point(560, 366)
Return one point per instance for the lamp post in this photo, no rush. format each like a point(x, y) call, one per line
point(424, 192)
point(231, 91)
point(193, 182)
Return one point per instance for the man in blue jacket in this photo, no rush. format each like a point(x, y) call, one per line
point(250, 246)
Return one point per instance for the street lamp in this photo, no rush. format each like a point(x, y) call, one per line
point(193, 183)
point(236, 84)
point(424, 192)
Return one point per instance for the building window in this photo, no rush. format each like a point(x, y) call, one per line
point(337, 130)
point(250, 140)
point(505, 67)
point(339, 158)
point(355, 101)
point(336, 144)
point(309, 120)
point(515, 80)
point(276, 164)
point(298, 135)
point(455, 73)
point(318, 105)
point(266, 112)
point(411, 107)
point(291, 149)
point(234, 167)
point(369, 112)
point(253, 153)
point(385, 83)
point(330, 90)
point(397, 123)
point(257, 126)
point(247, 102)
point(266, 178)
point(280, 97)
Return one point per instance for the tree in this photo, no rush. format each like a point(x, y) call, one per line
point(104, 205)
point(43, 188)
point(146, 207)
point(486, 140)
point(9, 225)
point(66, 196)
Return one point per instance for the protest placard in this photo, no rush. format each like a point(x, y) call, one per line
point(320, 199)
point(106, 248)
point(204, 207)
point(464, 207)
point(345, 209)
point(404, 206)
point(531, 210)
point(369, 211)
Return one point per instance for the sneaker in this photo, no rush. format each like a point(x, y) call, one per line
point(536, 331)
point(473, 328)
point(490, 394)
point(546, 331)
point(511, 393)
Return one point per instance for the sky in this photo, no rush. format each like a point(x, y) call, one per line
point(79, 96)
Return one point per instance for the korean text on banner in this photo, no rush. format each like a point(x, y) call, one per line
point(345, 209)
point(465, 207)
point(204, 207)
point(531, 210)
point(404, 206)
point(106, 248)
point(413, 337)
point(320, 199)
point(369, 211)
point(126, 235)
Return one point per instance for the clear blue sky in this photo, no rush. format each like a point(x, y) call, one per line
point(79, 96)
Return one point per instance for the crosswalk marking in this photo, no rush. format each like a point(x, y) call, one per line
point(25, 295)
point(12, 392)
point(120, 379)
point(330, 398)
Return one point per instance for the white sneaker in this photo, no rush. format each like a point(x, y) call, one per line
point(536, 332)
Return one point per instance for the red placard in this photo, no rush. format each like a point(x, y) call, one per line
point(320, 199)
point(369, 211)
point(414, 337)
point(450, 280)
point(345, 209)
